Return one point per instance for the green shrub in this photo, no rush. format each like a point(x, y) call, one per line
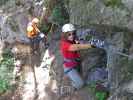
point(4, 85)
point(99, 94)
point(113, 3)
point(6, 69)
point(59, 15)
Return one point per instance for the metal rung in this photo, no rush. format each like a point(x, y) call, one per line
point(123, 54)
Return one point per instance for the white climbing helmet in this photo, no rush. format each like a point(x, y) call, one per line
point(68, 28)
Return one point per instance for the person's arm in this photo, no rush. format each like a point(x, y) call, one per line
point(76, 47)
point(36, 28)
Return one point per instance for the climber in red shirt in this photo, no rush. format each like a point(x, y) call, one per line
point(69, 48)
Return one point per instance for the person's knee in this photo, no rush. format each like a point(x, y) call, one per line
point(79, 84)
point(77, 81)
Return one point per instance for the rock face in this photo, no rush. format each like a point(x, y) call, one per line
point(105, 12)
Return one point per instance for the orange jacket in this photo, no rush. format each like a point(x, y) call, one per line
point(32, 31)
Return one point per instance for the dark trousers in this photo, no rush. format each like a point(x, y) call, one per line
point(34, 43)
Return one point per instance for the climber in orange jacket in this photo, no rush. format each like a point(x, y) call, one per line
point(34, 34)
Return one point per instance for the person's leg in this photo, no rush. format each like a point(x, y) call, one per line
point(45, 41)
point(74, 76)
point(36, 43)
point(31, 45)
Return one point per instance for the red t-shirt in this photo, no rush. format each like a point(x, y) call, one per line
point(64, 47)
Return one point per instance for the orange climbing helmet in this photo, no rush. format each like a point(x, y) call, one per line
point(29, 28)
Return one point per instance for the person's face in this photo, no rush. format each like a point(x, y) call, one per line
point(71, 36)
point(35, 24)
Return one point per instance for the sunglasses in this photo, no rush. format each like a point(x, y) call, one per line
point(72, 33)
